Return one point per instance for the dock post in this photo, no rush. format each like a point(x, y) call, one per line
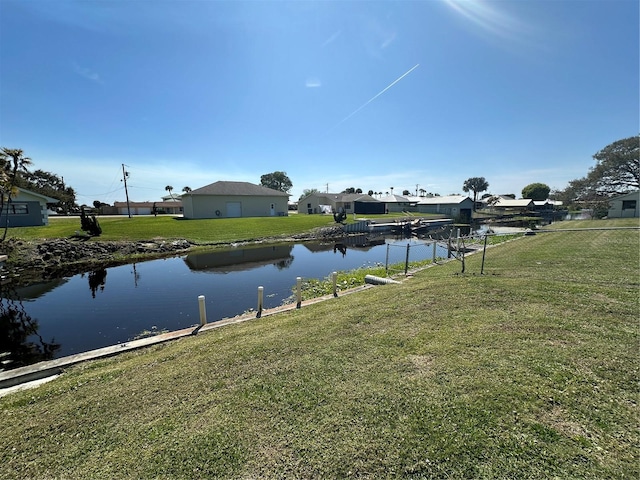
point(435, 244)
point(406, 260)
point(458, 241)
point(386, 262)
point(260, 299)
point(203, 310)
point(299, 291)
point(334, 279)
point(484, 251)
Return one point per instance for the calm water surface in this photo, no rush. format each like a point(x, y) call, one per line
point(115, 305)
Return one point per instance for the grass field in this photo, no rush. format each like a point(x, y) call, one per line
point(206, 231)
point(530, 371)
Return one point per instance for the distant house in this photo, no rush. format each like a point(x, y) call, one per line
point(234, 199)
point(625, 206)
point(340, 202)
point(174, 197)
point(449, 205)
point(27, 209)
point(397, 203)
point(546, 205)
point(147, 208)
point(513, 206)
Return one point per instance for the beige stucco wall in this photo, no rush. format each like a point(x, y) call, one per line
point(312, 202)
point(206, 206)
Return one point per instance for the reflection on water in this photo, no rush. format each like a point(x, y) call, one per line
point(20, 343)
point(340, 247)
point(239, 259)
point(97, 280)
point(162, 295)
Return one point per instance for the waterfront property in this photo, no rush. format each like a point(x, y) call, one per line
point(348, 203)
point(453, 206)
point(520, 205)
point(234, 200)
point(398, 203)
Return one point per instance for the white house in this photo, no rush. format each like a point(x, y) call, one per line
point(147, 208)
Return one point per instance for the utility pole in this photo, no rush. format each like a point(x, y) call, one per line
point(125, 174)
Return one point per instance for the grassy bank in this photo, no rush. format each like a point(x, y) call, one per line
point(168, 227)
point(206, 231)
point(530, 371)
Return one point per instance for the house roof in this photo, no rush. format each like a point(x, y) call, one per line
point(38, 195)
point(356, 197)
point(510, 203)
point(236, 188)
point(624, 196)
point(542, 203)
point(394, 199)
point(443, 200)
point(172, 198)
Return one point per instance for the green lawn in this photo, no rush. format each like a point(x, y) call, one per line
point(528, 372)
point(207, 231)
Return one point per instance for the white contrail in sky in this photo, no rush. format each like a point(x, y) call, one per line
point(376, 95)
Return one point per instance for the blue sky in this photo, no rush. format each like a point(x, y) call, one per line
point(339, 94)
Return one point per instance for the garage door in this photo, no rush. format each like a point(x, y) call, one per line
point(234, 209)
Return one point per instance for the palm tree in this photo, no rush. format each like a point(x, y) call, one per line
point(476, 185)
point(12, 161)
point(169, 188)
point(186, 189)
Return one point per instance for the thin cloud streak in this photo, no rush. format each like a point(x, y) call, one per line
point(332, 38)
point(87, 73)
point(375, 96)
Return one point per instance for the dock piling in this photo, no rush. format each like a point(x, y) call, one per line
point(203, 310)
point(260, 301)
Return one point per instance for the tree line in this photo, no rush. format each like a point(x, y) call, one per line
point(616, 171)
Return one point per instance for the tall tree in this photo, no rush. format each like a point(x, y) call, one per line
point(51, 185)
point(276, 181)
point(536, 191)
point(617, 168)
point(476, 185)
point(308, 191)
point(169, 189)
point(186, 189)
point(12, 163)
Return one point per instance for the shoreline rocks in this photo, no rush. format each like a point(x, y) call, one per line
point(31, 261)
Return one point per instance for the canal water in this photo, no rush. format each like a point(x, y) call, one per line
point(115, 305)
